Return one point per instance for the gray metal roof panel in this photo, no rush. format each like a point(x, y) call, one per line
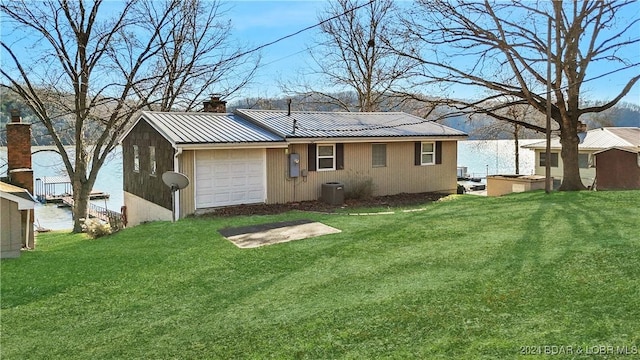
point(199, 128)
point(601, 138)
point(21, 194)
point(315, 124)
point(628, 134)
point(633, 150)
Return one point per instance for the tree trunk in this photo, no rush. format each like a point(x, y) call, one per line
point(81, 191)
point(570, 169)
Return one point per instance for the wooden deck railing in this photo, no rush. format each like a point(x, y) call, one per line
point(114, 218)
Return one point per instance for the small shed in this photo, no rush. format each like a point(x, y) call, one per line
point(16, 220)
point(618, 168)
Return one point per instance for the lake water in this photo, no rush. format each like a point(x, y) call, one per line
point(491, 157)
point(481, 157)
point(46, 162)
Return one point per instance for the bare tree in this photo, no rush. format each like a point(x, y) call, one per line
point(471, 45)
point(495, 129)
point(96, 65)
point(620, 115)
point(348, 57)
point(198, 58)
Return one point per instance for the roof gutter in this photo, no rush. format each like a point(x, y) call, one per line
point(214, 146)
point(375, 139)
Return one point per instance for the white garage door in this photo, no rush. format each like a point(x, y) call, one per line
point(230, 177)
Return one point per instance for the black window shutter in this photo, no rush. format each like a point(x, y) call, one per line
point(340, 156)
point(418, 153)
point(438, 152)
point(311, 157)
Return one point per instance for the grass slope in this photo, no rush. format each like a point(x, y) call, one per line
point(469, 278)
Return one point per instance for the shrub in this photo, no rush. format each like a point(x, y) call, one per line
point(359, 189)
point(96, 228)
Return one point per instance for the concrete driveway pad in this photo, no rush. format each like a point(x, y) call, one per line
point(275, 233)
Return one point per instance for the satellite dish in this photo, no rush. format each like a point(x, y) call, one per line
point(176, 181)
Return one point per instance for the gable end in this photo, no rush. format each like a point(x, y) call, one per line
point(144, 183)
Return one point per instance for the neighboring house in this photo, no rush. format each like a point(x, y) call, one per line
point(596, 140)
point(265, 156)
point(16, 221)
point(618, 168)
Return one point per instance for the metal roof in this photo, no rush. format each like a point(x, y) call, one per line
point(628, 134)
point(64, 179)
point(207, 127)
point(322, 124)
point(18, 195)
point(601, 138)
point(635, 150)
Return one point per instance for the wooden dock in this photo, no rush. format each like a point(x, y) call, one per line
point(58, 190)
point(59, 199)
point(98, 212)
point(52, 189)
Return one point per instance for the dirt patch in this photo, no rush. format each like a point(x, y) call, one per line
point(276, 233)
point(391, 201)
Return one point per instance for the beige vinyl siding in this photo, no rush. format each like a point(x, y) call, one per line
point(399, 176)
point(587, 175)
point(11, 231)
point(280, 187)
point(187, 195)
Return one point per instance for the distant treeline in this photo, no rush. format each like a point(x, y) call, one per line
point(623, 114)
point(39, 133)
point(480, 128)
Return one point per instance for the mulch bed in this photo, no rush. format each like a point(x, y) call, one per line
point(319, 206)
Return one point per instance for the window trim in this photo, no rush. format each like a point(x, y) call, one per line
point(432, 153)
point(557, 162)
point(333, 157)
point(373, 157)
point(586, 164)
point(136, 159)
point(153, 163)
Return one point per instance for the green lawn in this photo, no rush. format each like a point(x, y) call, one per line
point(473, 277)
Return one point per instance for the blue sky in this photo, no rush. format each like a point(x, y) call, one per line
point(260, 22)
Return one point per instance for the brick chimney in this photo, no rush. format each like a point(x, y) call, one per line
point(215, 105)
point(19, 152)
point(19, 169)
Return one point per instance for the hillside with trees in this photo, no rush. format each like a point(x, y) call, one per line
point(623, 114)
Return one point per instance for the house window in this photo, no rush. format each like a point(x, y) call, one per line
point(152, 160)
point(428, 153)
point(583, 161)
point(326, 157)
point(136, 158)
point(554, 159)
point(379, 155)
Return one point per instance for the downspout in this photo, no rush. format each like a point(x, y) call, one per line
point(26, 229)
point(176, 163)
